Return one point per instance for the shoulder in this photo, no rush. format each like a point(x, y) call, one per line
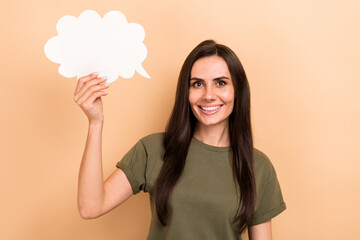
point(260, 158)
point(153, 138)
point(269, 200)
point(263, 167)
point(153, 142)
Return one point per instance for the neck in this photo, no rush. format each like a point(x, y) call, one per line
point(213, 135)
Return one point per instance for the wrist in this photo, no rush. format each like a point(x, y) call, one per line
point(96, 123)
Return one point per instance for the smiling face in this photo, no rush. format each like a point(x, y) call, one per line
point(211, 92)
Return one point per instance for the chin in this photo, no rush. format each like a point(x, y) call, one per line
point(211, 123)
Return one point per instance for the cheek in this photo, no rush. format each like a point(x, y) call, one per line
point(228, 97)
point(192, 97)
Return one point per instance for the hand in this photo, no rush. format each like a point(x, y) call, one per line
point(88, 96)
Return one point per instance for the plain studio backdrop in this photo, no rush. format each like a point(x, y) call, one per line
point(302, 62)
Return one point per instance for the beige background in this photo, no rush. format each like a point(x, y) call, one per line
point(302, 62)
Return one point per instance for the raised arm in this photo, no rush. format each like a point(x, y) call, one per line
point(96, 197)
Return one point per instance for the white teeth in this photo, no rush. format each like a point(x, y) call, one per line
point(210, 108)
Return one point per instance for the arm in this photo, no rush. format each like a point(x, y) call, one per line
point(96, 197)
point(261, 231)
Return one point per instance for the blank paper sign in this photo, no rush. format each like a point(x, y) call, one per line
point(110, 46)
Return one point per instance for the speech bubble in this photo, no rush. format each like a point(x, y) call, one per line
point(110, 46)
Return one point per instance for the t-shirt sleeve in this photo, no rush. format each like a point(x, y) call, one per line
point(134, 166)
point(270, 201)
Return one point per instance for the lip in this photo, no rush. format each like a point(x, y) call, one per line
point(210, 112)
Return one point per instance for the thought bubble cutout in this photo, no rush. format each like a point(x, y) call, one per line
point(110, 46)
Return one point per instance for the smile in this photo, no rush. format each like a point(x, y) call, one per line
point(210, 108)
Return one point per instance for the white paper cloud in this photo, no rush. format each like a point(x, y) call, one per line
point(110, 46)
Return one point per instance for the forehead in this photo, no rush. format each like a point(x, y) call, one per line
point(210, 67)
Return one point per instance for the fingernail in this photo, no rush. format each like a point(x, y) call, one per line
point(95, 73)
point(104, 78)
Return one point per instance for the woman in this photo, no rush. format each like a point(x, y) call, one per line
point(205, 179)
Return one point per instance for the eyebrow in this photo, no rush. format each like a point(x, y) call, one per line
point(218, 78)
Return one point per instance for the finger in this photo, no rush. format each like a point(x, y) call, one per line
point(88, 103)
point(89, 84)
point(96, 95)
point(91, 90)
point(83, 80)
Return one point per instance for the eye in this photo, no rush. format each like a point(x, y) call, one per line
point(221, 83)
point(197, 84)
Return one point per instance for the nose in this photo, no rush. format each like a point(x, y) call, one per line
point(209, 94)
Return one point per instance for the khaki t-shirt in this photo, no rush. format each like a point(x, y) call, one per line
point(204, 201)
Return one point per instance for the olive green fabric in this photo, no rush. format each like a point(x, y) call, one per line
point(204, 201)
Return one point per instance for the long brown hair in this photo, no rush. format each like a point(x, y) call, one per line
point(180, 129)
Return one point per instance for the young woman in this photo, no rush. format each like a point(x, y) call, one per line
point(204, 177)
